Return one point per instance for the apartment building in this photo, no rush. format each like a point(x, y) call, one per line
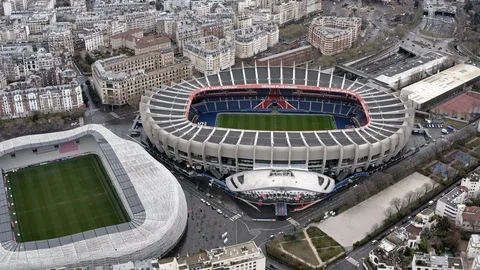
point(472, 182)
point(452, 203)
point(151, 44)
point(121, 80)
point(476, 263)
point(435, 262)
point(332, 35)
point(93, 39)
point(186, 31)
point(145, 20)
point(243, 21)
point(473, 248)
point(14, 33)
point(50, 99)
point(244, 256)
point(253, 40)
point(60, 43)
point(210, 54)
point(288, 11)
point(469, 219)
point(119, 40)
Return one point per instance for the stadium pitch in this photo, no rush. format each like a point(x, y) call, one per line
point(64, 198)
point(275, 122)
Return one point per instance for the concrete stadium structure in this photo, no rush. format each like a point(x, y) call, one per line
point(388, 124)
point(151, 195)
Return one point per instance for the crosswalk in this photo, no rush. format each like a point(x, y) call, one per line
point(237, 216)
point(293, 222)
point(353, 261)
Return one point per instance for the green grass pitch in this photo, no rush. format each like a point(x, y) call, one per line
point(63, 198)
point(275, 122)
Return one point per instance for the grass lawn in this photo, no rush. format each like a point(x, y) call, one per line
point(63, 198)
point(315, 232)
point(326, 254)
point(301, 249)
point(293, 31)
point(274, 122)
point(455, 124)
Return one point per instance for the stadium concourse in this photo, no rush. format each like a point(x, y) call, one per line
point(270, 186)
point(370, 125)
point(150, 194)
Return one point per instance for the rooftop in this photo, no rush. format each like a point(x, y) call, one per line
point(438, 84)
point(450, 197)
point(231, 252)
point(262, 179)
point(438, 261)
point(471, 213)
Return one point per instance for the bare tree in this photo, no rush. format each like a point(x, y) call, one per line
point(426, 187)
point(389, 212)
point(397, 203)
point(410, 197)
point(419, 192)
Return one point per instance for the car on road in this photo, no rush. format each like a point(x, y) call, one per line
point(207, 203)
point(219, 211)
point(213, 207)
point(225, 215)
point(203, 201)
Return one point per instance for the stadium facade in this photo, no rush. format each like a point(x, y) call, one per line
point(382, 121)
point(149, 192)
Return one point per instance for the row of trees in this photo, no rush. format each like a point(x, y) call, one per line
point(399, 204)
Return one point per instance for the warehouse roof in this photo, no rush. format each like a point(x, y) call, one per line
point(441, 83)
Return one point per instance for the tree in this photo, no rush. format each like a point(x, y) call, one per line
point(426, 188)
point(443, 224)
point(389, 212)
point(410, 197)
point(397, 204)
point(475, 201)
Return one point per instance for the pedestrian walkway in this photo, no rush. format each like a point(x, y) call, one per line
point(293, 222)
point(353, 261)
point(237, 216)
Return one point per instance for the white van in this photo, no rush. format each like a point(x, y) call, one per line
point(430, 203)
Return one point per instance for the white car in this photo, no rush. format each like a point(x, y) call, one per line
point(202, 200)
point(219, 211)
point(207, 203)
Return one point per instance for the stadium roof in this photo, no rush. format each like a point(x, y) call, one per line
point(441, 83)
point(288, 180)
point(153, 230)
point(167, 107)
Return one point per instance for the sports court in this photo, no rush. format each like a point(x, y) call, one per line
point(465, 103)
point(275, 122)
point(63, 198)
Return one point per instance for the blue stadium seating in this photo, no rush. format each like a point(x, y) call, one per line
point(327, 108)
point(201, 108)
point(336, 109)
point(345, 109)
point(304, 105)
point(221, 106)
point(211, 107)
point(316, 107)
point(233, 105)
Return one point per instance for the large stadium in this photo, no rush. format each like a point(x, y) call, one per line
point(256, 117)
point(85, 197)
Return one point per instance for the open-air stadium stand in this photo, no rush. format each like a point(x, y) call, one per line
point(150, 193)
point(165, 116)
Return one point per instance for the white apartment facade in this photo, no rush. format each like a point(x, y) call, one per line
point(254, 40)
point(93, 40)
point(476, 263)
point(20, 103)
point(472, 182)
point(452, 204)
point(473, 248)
point(210, 55)
point(60, 43)
point(436, 262)
point(244, 256)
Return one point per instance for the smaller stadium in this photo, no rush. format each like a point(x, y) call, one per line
point(62, 198)
point(85, 198)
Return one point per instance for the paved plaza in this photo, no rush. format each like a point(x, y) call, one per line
point(354, 224)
